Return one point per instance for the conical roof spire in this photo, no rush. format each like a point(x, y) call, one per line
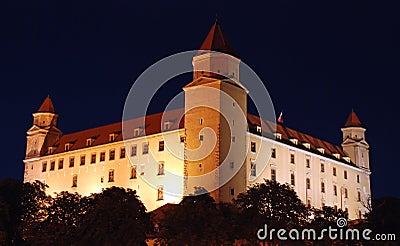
point(353, 120)
point(47, 106)
point(216, 40)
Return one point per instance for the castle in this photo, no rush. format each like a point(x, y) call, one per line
point(88, 161)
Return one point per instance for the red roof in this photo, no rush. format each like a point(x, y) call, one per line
point(353, 120)
point(216, 40)
point(151, 124)
point(47, 106)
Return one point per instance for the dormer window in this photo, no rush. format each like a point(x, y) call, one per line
point(258, 129)
point(322, 150)
point(278, 135)
point(294, 140)
point(112, 137)
point(50, 150)
point(136, 132)
point(346, 158)
point(167, 125)
point(307, 145)
point(89, 142)
point(336, 155)
point(68, 146)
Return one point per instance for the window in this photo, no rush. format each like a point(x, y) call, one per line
point(182, 139)
point(253, 147)
point(89, 142)
point(161, 146)
point(322, 167)
point(201, 121)
point(112, 137)
point(101, 179)
point(273, 174)
point(232, 164)
point(233, 139)
point(75, 181)
point(308, 183)
point(166, 126)
point(161, 168)
point(346, 194)
point(232, 191)
point(308, 202)
point(345, 174)
point(292, 158)
point(358, 196)
point(145, 148)
point(160, 193)
point(134, 150)
point(111, 175)
point(358, 178)
point(201, 137)
point(83, 160)
point(322, 187)
point(67, 146)
point(71, 162)
point(44, 166)
point(292, 180)
point(93, 159)
point(52, 165)
point(61, 164)
point(133, 172)
point(122, 153)
point(136, 132)
point(102, 156)
point(201, 167)
point(253, 171)
point(334, 171)
point(273, 154)
point(112, 155)
point(334, 190)
point(308, 163)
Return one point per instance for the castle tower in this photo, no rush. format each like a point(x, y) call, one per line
point(354, 143)
point(44, 132)
point(210, 99)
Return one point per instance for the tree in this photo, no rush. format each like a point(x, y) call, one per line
point(196, 220)
point(10, 210)
point(116, 217)
point(34, 204)
point(64, 214)
point(271, 203)
point(384, 216)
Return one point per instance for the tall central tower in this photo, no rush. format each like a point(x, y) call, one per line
point(215, 134)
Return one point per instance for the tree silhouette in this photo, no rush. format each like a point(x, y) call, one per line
point(196, 220)
point(271, 203)
point(115, 217)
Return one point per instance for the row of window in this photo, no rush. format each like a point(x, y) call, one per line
point(111, 176)
point(93, 157)
point(253, 170)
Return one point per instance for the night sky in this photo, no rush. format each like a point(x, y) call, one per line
point(318, 60)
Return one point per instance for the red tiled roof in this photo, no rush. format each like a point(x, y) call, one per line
point(47, 106)
point(353, 120)
point(151, 124)
point(216, 40)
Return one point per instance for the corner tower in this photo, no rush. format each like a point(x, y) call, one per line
point(212, 133)
point(354, 143)
point(44, 132)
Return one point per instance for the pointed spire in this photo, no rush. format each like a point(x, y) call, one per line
point(216, 40)
point(353, 120)
point(47, 106)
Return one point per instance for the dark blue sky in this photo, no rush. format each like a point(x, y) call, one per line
point(318, 59)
